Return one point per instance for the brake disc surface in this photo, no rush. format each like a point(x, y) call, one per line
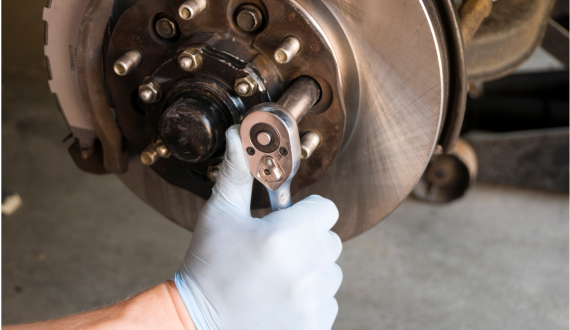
point(402, 77)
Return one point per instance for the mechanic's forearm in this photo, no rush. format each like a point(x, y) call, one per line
point(157, 308)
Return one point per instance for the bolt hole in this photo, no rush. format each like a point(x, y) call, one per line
point(266, 172)
point(283, 151)
point(120, 69)
point(185, 13)
point(250, 151)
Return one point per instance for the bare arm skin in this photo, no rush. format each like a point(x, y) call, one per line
point(157, 308)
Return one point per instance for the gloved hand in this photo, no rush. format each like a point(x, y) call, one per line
point(277, 272)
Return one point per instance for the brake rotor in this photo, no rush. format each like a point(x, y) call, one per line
point(397, 79)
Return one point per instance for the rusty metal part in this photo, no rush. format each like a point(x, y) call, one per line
point(166, 28)
point(506, 38)
point(448, 176)
point(316, 61)
point(471, 15)
point(249, 18)
point(92, 87)
point(556, 41)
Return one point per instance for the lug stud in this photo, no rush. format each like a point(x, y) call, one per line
point(127, 63)
point(287, 50)
point(189, 9)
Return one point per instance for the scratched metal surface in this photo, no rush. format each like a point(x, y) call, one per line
point(402, 92)
point(401, 98)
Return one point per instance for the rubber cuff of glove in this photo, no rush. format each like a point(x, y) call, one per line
point(190, 303)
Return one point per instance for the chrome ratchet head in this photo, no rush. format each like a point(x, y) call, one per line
point(270, 137)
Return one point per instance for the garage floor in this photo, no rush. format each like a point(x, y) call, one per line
point(497, 259)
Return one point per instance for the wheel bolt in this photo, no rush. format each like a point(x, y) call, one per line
point(249, 18)
point(166, 28)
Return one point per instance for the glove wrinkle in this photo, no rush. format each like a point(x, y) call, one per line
point(206, 311)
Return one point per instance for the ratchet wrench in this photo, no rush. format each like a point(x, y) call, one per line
point(270, 137)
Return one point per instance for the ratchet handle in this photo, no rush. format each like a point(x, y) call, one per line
point(281, 197)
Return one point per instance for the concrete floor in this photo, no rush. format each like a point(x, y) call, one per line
point(497, 259)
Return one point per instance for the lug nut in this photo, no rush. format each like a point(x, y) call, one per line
point(127, 63)
point(189, 9)
point(166, 28)
point(249, 18)
point(309, 144)
point(149, 92)
point(146, 95)
point(213, 175)
point(213, 172)
point(287, 50)
point(190, 59)
point(245, 86)
point(162, 150)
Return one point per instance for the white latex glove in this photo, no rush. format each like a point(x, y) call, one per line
point(277, 272)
